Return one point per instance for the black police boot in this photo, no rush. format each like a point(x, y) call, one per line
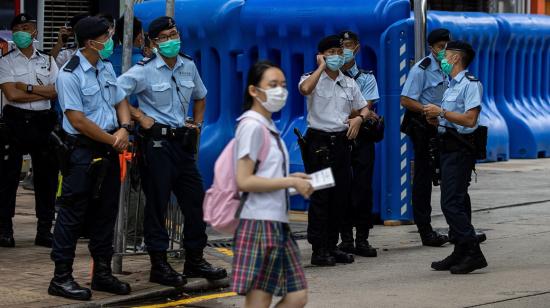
point(433, 239)
point(162, 272)
point(473, 260)
point(63, 284)
point(321, 257)
point(362, 246)
point(341, 257)
point(44, 235)
point(481, 237)
point(453, 259)
point(196, 266)
point(103, 279)
point(347, 241)
point(6, 233)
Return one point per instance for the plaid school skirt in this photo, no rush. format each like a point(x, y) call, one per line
point(267, 258)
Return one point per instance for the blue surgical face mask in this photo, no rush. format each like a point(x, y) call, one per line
point(334, 62)
point(348, 55)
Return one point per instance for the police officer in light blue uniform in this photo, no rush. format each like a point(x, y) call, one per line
point(425, 84)
point(457, 119)
point(164, 86)
point(362, 158)
point(95, 120)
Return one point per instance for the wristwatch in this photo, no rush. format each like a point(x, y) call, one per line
point(126, 126)
point(442, 113)
point(29, 88)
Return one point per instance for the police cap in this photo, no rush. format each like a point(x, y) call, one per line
point(91, 27)
point(331, 41)
point(439, 35)
point(22, 19)
point(463, 47)
point(160, 24)
point(75, 19)
point(349, 35)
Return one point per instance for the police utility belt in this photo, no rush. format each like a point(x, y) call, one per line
point(475, 142)
point(188, 136)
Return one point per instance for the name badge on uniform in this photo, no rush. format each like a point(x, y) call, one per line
point(163, 131)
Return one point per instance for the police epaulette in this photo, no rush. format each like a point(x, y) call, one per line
point(106, 60)
point(425, 63)
point(367, 72)
point(72, 64)
point(471, 77)
point(308, 73)
point(7, 53)
point(146, 60)
point(186, 56)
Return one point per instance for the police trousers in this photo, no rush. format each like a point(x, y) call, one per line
point(422, 180)
point(359, 214)
point(456, 171)
point(29, 132)
point(167, 167)
point(89, 201)
point(328, 207)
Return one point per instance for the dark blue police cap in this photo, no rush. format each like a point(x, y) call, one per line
point(91, 27)
point(22, 19)
point(160, 24)
point(331, 41)
point(349, 35)
point(439, 35)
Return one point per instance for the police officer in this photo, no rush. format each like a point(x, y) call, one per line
point(27, 79)
point(95, 119)
point(63, 54)
point(362, 158)
point(425, 84)
point(164, 85)
point(458, 119)
point(331, 98)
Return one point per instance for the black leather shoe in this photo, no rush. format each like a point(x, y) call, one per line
point(453, 259)
point(44, 235)
point(481, 237)
point(321, 257)
point(348, 247)
point(433, 239)
point(6, 233)
point(364, 249)
point(103, 279)
point(473, 260)
point(162, 272)
point(63, 284)
point(342, 257)
point(197, 267)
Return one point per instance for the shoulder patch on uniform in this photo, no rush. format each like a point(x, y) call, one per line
point(144, 61)
point(308, 73)
point(186, 56)
point(425, 63)
point(106, 60)
point(471, 77)
point(367, 71)
point(42, 52)
point(7, 53)
point(72, 64)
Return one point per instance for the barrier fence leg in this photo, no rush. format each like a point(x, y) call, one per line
point(120, 228)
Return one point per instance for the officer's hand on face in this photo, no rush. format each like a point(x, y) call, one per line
point(321, 61)
point(302, 185)
point(354, 126)
point(63, 35)
point(431, 111)
point(121, 140)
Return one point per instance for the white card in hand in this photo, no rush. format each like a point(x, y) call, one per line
point(319, 180)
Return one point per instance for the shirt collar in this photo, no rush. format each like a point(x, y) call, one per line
point(458, 78)
point(353, 70)
point(86, 65)
point(18, 53)
point(159, 62)
point(434, 65)
point(257, 116)
point(325, 75)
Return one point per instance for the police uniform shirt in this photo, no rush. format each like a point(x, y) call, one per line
point(65, 55)
point(464, 93)
point(40, 69)
point(366, 81)
point(331, 102)
point(163, 93)
point(90, 90)
point(426, 85)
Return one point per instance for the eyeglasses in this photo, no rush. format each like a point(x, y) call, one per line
point(163, 38)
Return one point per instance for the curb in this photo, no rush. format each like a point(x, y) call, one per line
point(158, 291)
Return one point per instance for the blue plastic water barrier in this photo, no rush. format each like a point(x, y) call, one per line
point(522, 82)
point(482, 31)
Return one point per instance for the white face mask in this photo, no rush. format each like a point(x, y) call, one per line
point(276, 98)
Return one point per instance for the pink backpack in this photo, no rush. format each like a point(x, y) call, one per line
point(222, 204)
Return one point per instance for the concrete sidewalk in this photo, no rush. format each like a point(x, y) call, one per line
point(25, 271)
